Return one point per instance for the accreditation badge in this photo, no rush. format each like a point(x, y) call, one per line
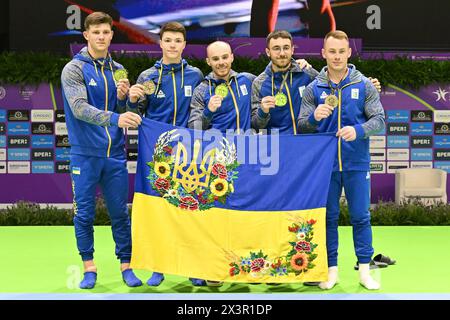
point(221, 90)
point(331, 100)
point(280, 99)
point(120, 74)
point(149, 87)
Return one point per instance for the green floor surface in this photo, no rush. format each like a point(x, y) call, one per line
point(45, 260)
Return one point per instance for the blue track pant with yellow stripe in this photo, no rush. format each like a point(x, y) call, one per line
point(112, 176)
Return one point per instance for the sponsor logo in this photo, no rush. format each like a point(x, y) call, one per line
point(60, 129)
point(442, 116)
point(2, 115)
point(62, 167)
point(2, 167)
point(441, 142)
point(42, 141)
point(132, 166)
point(132, 142)
point(421, 142)
point(421, 164)
point(398, 129)
point(443, 165)
point(42, 154)
point(421, 154)
point(377, 167)
point(421, 115)
point(377, 141)
point(2, 93)
point(394, 166)
point(42, 167)
point(62, 154)
point(132, 155)
point(2, 128)
point(398, 142)
point(18, 167)
point(41, 115)
point(397, 116)
point(26, 94)
point(442, 128)
point(398, 154)
point(377, 154)
point(62, 141)
point(2, 141)
point(132, 131)
point(421, 129)
point(441, 94)
point(41, 128)
point(161, 94)
point(15, 128)
point(323, 95)
point(18, 141)
point(441, 154)
point(18, 154)
point(92, 83)
point(18, 115)
point(2, 154)
point(60, 116)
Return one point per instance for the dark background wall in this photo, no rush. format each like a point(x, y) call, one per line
point(4, 25)
point(404, 24)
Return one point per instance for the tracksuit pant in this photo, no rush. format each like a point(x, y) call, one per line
point(111, 174)
point(356, 185)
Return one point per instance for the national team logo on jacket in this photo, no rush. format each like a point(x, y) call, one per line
point(196, 185)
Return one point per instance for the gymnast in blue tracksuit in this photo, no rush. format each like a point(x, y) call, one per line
point(92, 104)
point(164, 91)
point(233, 111)
point(354, 115)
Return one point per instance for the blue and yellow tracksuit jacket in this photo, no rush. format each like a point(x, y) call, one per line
point(173, 86)
point(235, 111)
point(359, 106)
point(268, 83)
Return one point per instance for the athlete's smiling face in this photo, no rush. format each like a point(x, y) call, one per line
point(220, 58)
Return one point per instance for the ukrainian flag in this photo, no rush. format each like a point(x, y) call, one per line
point(240, 208)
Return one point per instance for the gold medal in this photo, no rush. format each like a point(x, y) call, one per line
point(331, 100)
point(149, 87)
point(280, 99)
point(120, 74)
point(221, 90)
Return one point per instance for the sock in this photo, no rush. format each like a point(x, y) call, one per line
point(198, 282)
point(156, 279)
point(89, 280)
point(366, 279)
point(130, 278)
point(332, 279)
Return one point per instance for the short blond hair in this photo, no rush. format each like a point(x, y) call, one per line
point(337, 34)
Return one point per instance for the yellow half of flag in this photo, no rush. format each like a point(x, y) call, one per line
point(228, 245)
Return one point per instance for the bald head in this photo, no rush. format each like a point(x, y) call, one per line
point(217, 47)
point(220, 58)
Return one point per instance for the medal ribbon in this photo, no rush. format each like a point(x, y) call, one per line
point(282, 83)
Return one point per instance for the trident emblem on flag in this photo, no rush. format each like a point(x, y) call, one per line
point(193, 176)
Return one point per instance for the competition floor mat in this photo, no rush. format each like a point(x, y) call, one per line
point(43, 263)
